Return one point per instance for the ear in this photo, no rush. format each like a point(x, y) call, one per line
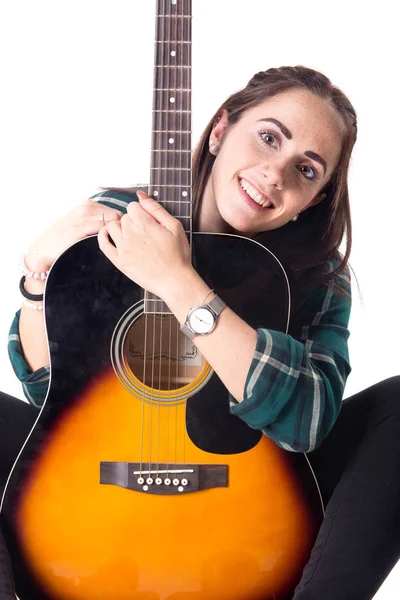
point(219, 128)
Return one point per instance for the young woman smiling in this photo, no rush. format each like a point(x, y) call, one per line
point(272, 165)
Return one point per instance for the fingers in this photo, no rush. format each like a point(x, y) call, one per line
point(114, 230)
point(105, 245)
point(154, 209)
point(90, 216)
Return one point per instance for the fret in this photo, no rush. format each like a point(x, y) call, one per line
point(181, 53)
point(185, 202)
point(155, 185)
point(169, 131)
point(164, 141)
point(173, 66)
point(169, 42)
point(174, 100)
point(169, 169)
point(165, 111)
point(169, 121)
point(179, 217)
point(170, 90)
point(171, 197)
point(174, 29)
point(180, 7)
point(179, 16)
point(155, 305)
point(166, 159)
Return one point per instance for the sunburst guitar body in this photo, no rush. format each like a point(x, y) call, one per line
point(136, 482)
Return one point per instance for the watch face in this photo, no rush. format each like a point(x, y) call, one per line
point(201, 320)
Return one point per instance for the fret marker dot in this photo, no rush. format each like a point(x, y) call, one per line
point(173, 2)
point(155, 193)
point(184, 194)
point(171, 140)
point(173, 53)
point(172, 99)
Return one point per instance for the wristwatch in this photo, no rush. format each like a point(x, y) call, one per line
point(201, 320)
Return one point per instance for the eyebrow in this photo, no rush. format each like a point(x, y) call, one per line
point(289, 136)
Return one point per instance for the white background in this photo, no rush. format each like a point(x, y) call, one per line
point(75, 114)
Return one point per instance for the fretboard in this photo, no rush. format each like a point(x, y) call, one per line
point(171, 144)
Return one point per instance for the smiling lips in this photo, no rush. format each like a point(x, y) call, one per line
point(254, 194)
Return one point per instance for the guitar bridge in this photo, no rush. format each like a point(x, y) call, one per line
point(163, 479)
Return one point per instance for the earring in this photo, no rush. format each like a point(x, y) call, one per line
point(296, 217)
point(213, 147)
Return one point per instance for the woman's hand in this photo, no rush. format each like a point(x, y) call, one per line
point(151, 247)
point(83, 220)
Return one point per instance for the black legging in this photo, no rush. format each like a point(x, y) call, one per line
point(358, 470)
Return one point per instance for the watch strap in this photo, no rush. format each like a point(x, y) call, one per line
point(216, 305)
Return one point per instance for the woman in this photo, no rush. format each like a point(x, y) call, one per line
point(272, 165)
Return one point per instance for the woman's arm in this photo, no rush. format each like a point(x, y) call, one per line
point(28, 348)
point(302, 381)
point(291, 389)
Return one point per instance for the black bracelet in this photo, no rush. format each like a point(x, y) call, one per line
point(27, 295)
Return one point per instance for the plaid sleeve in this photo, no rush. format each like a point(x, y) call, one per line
point(117, 200)
point(294, 388)
point(34, 383)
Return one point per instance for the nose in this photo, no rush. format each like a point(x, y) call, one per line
point(274, 172)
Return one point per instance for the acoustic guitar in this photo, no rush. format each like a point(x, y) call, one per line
point(136, 482)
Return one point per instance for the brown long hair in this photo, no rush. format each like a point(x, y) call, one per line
point(315, 238)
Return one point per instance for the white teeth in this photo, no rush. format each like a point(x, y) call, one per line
point(253, 193)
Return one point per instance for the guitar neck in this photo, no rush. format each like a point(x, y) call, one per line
point(170, 173)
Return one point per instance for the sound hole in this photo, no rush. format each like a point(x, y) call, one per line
point(159, 355)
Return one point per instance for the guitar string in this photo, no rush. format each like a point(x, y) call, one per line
point(178, 118)
point(146, 293)
point(177, 210)
point(183, 156)
point(176, 129)
point(171, 121)
point(161, 315)
point(159, 85)
point(168, 49)
point(160, 161)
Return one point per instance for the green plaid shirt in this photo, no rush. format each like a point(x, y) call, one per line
point(295, 384)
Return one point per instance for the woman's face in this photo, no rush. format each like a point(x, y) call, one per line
point(271, 164)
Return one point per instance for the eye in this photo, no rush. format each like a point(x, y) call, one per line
point(264, 134)
point(270, 134)
point(314, 174)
